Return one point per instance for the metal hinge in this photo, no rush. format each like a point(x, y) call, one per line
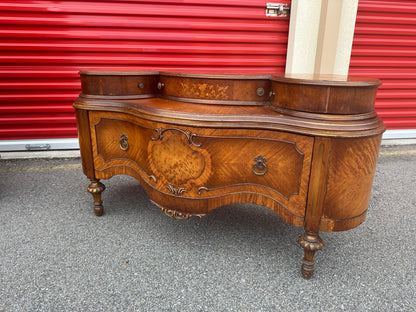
point(277, 9)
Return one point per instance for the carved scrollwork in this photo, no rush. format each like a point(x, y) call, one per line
point(175, 190)
point(189, 135)
point(96, 188)
point(310, 241)
point(202, 188)
point(179, 215)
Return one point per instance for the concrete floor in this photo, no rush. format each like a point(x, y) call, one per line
point(56, 255)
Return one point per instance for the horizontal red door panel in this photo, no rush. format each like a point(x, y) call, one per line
point(43, 45)
point(384, 47)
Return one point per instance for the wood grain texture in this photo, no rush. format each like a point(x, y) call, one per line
point(122, 86)
point(327, 80)
point(325, 94)
point(216, 91)
point(324, 99)
point(84, 138)
point(317, 184)
point(234, 116)
point(351, 173)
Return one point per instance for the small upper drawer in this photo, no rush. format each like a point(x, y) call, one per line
point(119, 85)
point(324, 94)
point(215, 89)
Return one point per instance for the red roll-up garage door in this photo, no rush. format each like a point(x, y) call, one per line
point(43, 44)
point(384, 46)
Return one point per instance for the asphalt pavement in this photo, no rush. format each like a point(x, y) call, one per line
point(56, 255)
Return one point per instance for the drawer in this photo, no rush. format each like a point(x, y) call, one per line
point(119, 142)
point(200, 163)
point(243, 161)
point(204, 163)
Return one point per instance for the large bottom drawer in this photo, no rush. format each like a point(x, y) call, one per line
point(202, 163)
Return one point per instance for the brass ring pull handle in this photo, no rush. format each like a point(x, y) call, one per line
point(260, 91)
point(124, 145)
point(259, 167)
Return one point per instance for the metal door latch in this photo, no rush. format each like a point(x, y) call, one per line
point(277, 9)
point(37, 147)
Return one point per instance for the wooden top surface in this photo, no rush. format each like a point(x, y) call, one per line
point(311, 79)
point(259, 117)
point(327, 80)
point(177, 106)
point(119, 72)
point(207, 74)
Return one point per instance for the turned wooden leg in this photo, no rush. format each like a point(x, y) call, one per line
point(96, 188)
point(311, 242)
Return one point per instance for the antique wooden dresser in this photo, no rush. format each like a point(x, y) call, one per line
point(304, 146)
